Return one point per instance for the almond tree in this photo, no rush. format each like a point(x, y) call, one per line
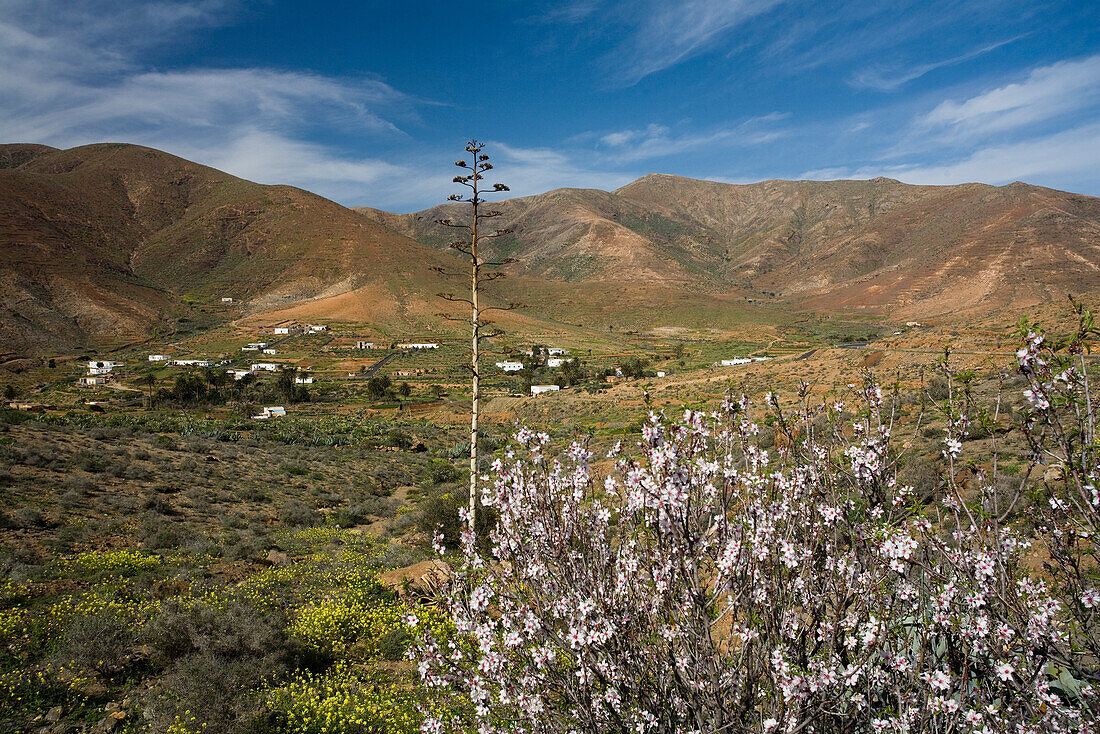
point(481, 272)
point(710, 584)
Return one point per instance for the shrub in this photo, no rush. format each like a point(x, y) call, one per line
point(102, 641)
point(83, 486)
point(709, 585)
point(214, 657)
point(398, 439)
point(441, 471)
point(297, 513)
point(28, 517)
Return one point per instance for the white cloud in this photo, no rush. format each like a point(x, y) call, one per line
point(271, 158)
point(657, 141)
point(1048, 92)
point(530, 171)
point(622, 137)
point(79, 80)
point(1069, 154)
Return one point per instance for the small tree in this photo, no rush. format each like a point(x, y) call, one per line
point(150, 381)
point(286, 383)
point(481, 271)
point(712, 585)
point(378, 387)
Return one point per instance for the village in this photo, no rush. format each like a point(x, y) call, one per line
point(339, 362)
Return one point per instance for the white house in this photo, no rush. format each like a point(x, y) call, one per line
point(192, 362)
point(282, 329)
point(96, 380)
point(239, 374)
point(159, 358)
point(265, 367)
point(418, 345)
point(269, 350)
point(556, 351)
point(304, 380)
point(364, 345)
point(227, 299)
point(272, 412)
point(254, 347)
point(741, 360)
point(315, 328)
point(510, 366)
point(661, 373)
point(540, 389)
point(102, 367)
point(557, 361)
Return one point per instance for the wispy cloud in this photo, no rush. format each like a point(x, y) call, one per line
point(192, 103)
point(889, 78)
point(842, 34)
point(1037, 125)
point(658, 141)
point(662, 34)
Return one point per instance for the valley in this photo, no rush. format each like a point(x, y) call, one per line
point(235, 414)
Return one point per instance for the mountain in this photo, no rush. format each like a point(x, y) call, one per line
point(107, 244)
point(111, 244)
point(877, 246)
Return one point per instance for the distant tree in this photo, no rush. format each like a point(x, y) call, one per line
point(52, 363)
point(571, 373)
point(437, 391)
point(534, 357)
point(189, 390)
point(217, 378)
point(150, 381)
point(405, 389)
point(286, 384)
point(634, 368)
point(9, 392)
point(678, 350)
point(378, 387)
point(482, 271)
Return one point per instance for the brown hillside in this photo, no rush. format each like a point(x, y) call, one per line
point(876, 245)
point(104, 244)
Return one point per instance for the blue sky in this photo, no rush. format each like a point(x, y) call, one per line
point(369, 102)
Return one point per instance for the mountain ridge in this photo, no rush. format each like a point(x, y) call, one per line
point(868, 245)
point(113, 243)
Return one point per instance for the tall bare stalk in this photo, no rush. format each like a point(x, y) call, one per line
point(481, 272)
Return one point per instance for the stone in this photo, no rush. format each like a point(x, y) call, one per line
point(277, 558)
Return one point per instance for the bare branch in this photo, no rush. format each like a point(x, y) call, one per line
point(509, 307)
point(455, 299)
